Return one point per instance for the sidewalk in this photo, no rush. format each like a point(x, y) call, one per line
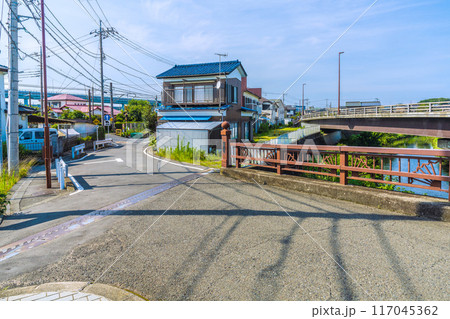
point(32, 190)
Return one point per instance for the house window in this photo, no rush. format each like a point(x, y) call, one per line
point(234, 130)
point(246, 130)
point(178, 94)
point(234, 94)
point(188, 92)
point(208, 93)
point(203, 93)
point(199, 93)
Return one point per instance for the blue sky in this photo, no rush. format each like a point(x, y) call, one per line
point(398, 52)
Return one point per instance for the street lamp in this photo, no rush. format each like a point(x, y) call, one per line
point(303, 98)
point(339, 84)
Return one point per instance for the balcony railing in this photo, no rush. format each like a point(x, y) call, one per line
point(193, 96)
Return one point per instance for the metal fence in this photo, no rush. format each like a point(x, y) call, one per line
point(412, 109)
point(426, 169)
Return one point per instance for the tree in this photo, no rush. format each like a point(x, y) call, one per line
point(72, 115)
point(439, 99)
point(150, 117)
point(136, 109)
point(77, 115)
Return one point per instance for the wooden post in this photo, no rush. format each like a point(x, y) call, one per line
point(225, 133)
point(278, 160)
point(343, 160)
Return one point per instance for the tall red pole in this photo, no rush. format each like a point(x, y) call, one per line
point(47, 155)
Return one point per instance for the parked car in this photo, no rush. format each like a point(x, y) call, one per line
point(33, 138)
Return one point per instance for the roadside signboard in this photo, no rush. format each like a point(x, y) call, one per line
point(107, 117)
point(107, 123)
point(96, 122)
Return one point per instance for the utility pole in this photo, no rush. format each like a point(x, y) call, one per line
point(29, 99)
point(48, 155)
point(102, 34)
point(42, 85)
point(339, 84)
point(90, 104)
point(219, 84)
point(303, 98)
point(13, 105)
point(102, 93)
point(112, 103)
point(93, 101)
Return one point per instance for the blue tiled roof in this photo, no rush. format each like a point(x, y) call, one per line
point(201, 69)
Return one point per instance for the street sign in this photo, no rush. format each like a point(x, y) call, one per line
point(107, 123)
point(96, 122)
point(106, 117)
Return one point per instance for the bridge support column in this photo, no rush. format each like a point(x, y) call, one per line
point(225, 133)
point(343, 160)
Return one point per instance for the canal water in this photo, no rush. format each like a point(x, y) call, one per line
point(414, 163)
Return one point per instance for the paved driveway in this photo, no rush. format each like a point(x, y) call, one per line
point(220, 239)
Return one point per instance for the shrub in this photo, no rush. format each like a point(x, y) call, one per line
point(3, 203)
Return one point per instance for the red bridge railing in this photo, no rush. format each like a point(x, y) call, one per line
point(426, 169)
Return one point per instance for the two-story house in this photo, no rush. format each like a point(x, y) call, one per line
point(196, 98)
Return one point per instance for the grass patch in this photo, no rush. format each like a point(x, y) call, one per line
point(7, 180)
point(186, 153)
point(272, 132)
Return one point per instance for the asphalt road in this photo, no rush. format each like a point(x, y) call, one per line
point(108, 176)
point(220, 239)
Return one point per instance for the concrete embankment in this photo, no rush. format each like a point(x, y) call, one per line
point(409, 204)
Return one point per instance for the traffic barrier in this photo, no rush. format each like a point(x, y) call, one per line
point(62, 171)
point(102, 143)
point(78, 149)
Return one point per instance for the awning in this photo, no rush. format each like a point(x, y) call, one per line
point(247, 109)
point(185, 118)
point(188, 126)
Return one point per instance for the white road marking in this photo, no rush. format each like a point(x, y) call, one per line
point(119, 160)
point(80, 159)
point(77, 185)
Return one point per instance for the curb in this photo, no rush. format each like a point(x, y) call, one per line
point(406, 204)
point(103, 290)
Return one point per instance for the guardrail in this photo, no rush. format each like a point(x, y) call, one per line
point(426, 169)
point(77, 149)
point(293, 137)
point(384, 110)
point(62, 171)
point(102, 143)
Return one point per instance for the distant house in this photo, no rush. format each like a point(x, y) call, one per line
point(61, 100)
point(353, 104)
point(59, 103)
point(273, 111)
point(197, 97)
point(251, 101)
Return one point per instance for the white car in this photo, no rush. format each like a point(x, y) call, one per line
point(33, 138)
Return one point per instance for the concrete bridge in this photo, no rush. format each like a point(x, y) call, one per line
point(36, 96)
point(423, 119)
